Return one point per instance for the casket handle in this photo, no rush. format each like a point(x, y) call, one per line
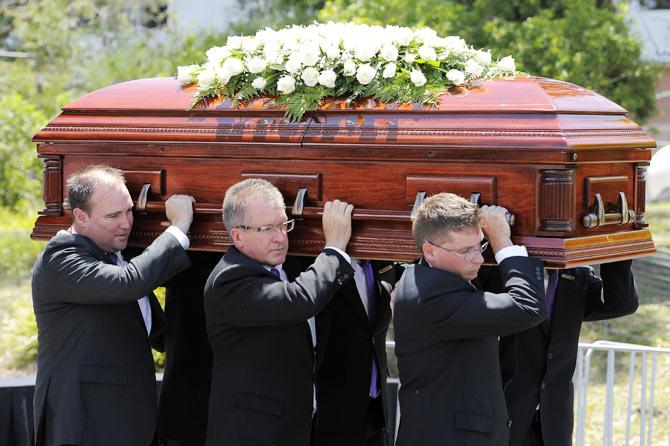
point(599, 218)
point(142, 199)
point(475, 199)
point(420, 197)
point(299, 203)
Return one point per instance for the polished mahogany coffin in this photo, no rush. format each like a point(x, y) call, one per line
point(567, 163)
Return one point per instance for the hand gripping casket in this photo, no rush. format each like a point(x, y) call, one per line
point(567, 163)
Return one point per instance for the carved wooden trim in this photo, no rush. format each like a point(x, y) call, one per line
point(556, 206)
point(640, 195)
point(53, 185)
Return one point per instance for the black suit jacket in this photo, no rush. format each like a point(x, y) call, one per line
point(347, 342)
point(95, 375)
point(542, 360)
point(446, 334)
point(263, 368)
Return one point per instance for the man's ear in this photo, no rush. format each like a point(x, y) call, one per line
point(80, 217)
point(428, 252)
point(236, 237)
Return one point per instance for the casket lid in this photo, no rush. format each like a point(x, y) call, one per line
point(510, 113)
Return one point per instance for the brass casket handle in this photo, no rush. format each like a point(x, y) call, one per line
point(599, 217)
point(141, 204)
point(299, 203)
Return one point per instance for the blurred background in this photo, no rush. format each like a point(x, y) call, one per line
point(53, 51)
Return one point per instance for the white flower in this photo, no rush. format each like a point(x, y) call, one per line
point(309, 55)
point(366, 51)
point(455, 44)
point(222, 75)
point(427, 52)
point(417, 78)
point(310, 76)
point(293, 65)
point(389, 70)
point(286, 84)
point(206, 77)
point(327, 78)
point(473, 68)
point(259, 83)
point(456, 77)
point(426, 34)
point(232, 66)
point(217, 54)
point(186, 74)
point(349, 68)
point(234, 42)
point(507, 64)
point(333, 52)
point(483, 57)
point(365, 73)
point(389, 52)
point(409, 58)
point(249, 44)
point(256, 65)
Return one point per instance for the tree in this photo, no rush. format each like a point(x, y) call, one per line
point(586, 42)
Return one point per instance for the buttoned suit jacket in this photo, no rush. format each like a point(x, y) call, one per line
point(446, 334)
point(347, 341)
point(263, 369)
point(540, 362)
point(95, 380)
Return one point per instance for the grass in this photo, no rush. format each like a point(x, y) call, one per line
point(658, 217)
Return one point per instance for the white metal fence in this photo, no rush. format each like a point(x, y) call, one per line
point(647, 377)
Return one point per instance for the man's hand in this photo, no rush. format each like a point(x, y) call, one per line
point(337, 223)
point(179, 210)
point(495, 227)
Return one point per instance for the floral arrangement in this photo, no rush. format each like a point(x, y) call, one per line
point(302, 65)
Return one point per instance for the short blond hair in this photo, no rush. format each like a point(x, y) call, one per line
point(442, 213)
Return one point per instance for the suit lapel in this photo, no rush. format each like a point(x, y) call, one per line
point(293, 267)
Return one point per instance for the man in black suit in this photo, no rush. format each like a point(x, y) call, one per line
point(351, 359)
point(446, 330)
point(260, 324)
point(96, 316)
point(542, 359)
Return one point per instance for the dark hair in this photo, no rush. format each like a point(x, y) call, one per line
point(442, 213)
point(81, 184)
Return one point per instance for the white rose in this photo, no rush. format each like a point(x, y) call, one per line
point(427, 52)
point(483, 57)
point(185, 74)
point(222, 75)
point(409, 58)
point(389, 70)
point(349, 68)
point(293, 65)
point(426, 34)
point(456, 77)
point(327, 78)
point(473, 68)
point(417, 78)
point(234, 42)
point(217, 54)
point(310, 55)
point(286, 84)
point(365, 51)
point(259, 83)
point(206, 77)
point(232, 66)
point(256, 65)
point(455, 43)
point(310, 76)
point(507, 64)
point(333, 52)
point(249, 44)
point(365, 73)
point(389, 52)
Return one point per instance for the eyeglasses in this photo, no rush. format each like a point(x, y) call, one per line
point(468, 255)
point(287, 226)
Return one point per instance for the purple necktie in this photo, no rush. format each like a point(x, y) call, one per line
point(275, 272)
point(370, 288)
point(551, 290)
point(111, 258)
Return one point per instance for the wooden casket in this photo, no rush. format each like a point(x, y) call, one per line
point(567, 163)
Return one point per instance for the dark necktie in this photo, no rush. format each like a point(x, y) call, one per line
point(370, 288)
point(275, 272)
point(111, 258)
point(551, 290)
